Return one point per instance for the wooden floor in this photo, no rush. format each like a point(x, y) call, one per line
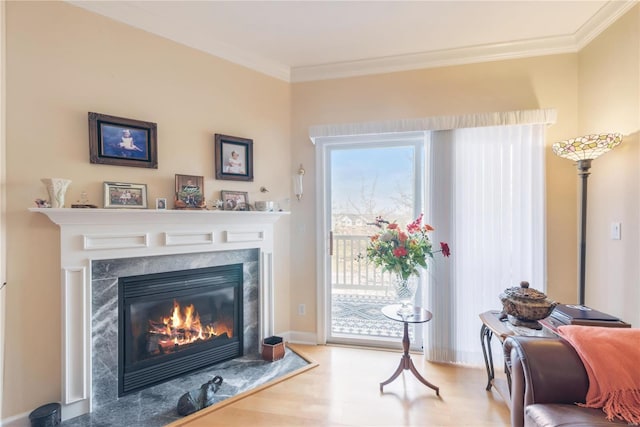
point(344, 391)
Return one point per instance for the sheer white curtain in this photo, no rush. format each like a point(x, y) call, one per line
point(486, 199)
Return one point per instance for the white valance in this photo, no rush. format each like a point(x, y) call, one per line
point(545, 116)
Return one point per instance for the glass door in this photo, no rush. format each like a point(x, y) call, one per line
point(365, 180)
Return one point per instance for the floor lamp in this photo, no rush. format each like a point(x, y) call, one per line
point(583, 150)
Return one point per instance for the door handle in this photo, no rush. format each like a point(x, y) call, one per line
point(331, 243)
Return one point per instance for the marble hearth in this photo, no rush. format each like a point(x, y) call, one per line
point(104, 323)
point(99, 245)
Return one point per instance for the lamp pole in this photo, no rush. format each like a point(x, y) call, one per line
point(582, 150)
point(583, 172)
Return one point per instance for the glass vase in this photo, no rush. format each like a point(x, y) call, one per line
point(405, 290)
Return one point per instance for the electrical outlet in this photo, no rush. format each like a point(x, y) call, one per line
point(302, 309)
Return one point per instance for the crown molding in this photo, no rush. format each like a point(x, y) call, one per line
point(129, 13)
point(442, 58)
point(571, 43)
point(606, 16)
point(247, 59)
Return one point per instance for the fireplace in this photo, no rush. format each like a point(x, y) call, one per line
point(99, 246)
point(173, 323)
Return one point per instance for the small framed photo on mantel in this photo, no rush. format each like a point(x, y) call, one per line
point(234, 158)
point(125, 195)
point(235, 200)
point(161, 204)
point(190, 192)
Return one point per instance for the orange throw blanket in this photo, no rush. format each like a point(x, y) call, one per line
point(611, 357)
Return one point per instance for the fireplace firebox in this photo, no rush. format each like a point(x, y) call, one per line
point(177, 322)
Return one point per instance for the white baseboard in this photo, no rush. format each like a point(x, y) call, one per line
point(20, 420)
point(297, 337)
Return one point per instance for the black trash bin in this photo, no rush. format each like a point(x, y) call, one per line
point(46, 415)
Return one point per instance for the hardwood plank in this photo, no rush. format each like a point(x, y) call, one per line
point(344, 391)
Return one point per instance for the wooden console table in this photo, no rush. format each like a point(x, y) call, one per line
point(493, 325)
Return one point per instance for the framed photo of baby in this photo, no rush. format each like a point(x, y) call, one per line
point(234, 158)
point(122, 142)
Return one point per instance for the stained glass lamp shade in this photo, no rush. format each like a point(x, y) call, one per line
point(587, 147)
point(583, 150)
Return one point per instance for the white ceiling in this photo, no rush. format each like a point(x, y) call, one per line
point(312, 40)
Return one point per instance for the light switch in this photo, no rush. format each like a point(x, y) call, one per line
point(615, 231)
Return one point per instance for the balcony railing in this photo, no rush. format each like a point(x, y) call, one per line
point(359, 291)
point(352, 272)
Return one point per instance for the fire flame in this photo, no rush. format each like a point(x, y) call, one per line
point(183, 327)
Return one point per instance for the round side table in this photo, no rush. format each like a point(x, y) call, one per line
point(419, 315)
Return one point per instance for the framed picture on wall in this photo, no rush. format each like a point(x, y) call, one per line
point(125, 195)
point(122, 142)
point(233, 158)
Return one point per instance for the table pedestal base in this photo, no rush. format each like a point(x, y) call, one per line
point(407, 364)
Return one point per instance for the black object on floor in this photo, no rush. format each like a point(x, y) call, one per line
point(45, 416)
point(195, 400)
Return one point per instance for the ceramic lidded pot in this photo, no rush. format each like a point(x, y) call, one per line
point(524, 306)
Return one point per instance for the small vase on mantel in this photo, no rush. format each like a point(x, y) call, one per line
point(405, 291)
point(57, 187)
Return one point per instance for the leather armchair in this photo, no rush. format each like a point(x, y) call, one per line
point(547, 379)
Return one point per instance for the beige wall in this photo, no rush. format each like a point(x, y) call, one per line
point(544, 82)
point(62, 62)
point(609, 101)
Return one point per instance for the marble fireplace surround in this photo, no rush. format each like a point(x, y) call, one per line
point(97, 238)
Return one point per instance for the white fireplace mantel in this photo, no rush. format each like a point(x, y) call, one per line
point(143, 232)
point(96, 234)
point(63, 216)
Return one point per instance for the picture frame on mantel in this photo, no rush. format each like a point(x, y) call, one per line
point(233, 158)
point(189, 192)
point(122, 142)
point(125, 195)
point(235, 200)
point(161, 204)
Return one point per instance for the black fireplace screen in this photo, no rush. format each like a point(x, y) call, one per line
point(177, 322)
